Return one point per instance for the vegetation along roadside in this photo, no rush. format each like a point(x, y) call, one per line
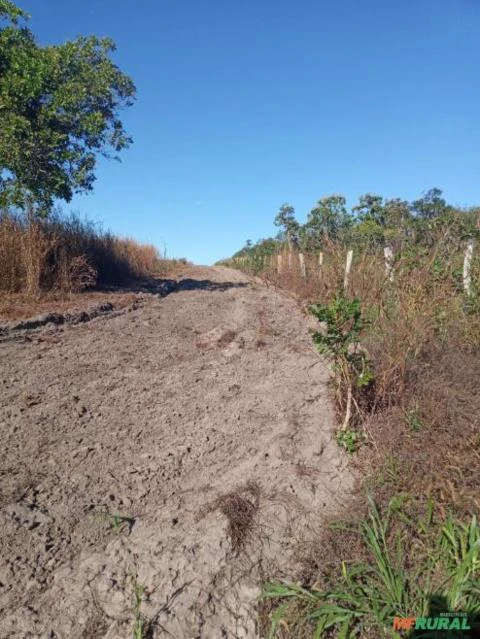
point(399, 320)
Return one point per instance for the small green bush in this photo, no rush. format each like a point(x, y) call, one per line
point(344, 323)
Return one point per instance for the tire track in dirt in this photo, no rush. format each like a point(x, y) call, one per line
point(154, 415)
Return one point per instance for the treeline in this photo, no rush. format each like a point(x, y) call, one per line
point(372, 223)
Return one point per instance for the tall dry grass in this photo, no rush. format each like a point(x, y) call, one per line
point(422, 338)
point(420, 440)
point(424, 306)
point(66, 254)
point(421, 452)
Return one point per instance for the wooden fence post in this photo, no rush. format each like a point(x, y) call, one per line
point(320, 259)
point(388, 253)
point(279, 263)
point(303, 270)
point(467, 268)
point(348, 267)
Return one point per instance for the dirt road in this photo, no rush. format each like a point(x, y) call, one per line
point(131, 441)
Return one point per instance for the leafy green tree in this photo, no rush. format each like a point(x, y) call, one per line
point(367, 234)
point(380, 221)
point(265, 247)
point(397, 213)
point(398, 222)
point(431, 205)
point(285, 218)
point(370, 208)
point(59, 109)
point(329, 219)
point(10, 11)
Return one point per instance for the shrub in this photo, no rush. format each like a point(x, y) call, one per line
point(344, 324)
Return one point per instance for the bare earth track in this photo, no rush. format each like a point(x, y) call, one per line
point(155, 414)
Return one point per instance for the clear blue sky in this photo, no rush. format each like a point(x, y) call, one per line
point(243, 105)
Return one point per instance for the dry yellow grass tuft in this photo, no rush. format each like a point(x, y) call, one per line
point(66, 254)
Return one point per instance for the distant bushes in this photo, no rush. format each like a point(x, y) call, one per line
point(375, 222)
point(66, 254)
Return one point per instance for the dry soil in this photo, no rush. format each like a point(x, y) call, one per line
point(181, 448)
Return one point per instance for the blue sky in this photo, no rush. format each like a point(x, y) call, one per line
point(243, 105)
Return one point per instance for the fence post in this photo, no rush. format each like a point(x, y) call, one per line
point(388, 252)
point(303, 270)
point(348, 267)
point(320, 264)
point(467, 268)
point(279, 263)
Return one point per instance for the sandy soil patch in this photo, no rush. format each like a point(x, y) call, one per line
point(180, 450)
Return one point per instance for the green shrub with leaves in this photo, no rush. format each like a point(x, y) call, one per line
point(349, 439)
point(344, 323)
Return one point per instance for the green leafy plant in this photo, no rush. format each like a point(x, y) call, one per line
point(349, 439)
point(340, 340)
point(367, 595)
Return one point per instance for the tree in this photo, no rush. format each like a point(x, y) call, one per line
point(286, 218)
point(381, 221)
point(59, 109)
point(327, 220)
point(370, 208)
point(396, 213)
point(399, 225)
point(431, 205)
point(10, 11)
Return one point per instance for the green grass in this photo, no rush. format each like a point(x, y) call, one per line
point(117, 522)
point(141, 626)
point(415, 567)
point(413, 419)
